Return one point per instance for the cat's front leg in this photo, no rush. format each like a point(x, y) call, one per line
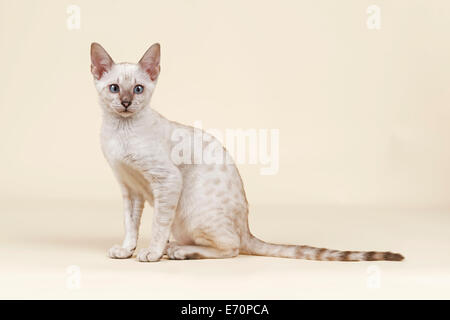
point(166, 191)
point(133, 205)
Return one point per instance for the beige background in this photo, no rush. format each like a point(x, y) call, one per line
point(363, 118)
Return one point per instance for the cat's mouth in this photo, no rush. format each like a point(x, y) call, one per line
point(123, 112)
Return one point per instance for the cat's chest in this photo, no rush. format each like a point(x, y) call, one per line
point(128, 147)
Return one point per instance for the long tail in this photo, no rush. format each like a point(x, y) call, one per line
point(254, 246)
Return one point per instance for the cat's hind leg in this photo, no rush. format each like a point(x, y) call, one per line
point(208, 243)
point(186, 252)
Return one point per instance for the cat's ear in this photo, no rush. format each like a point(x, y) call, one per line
point(101, 62)
point(150, 61)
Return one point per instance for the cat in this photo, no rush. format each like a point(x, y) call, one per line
point(200, 206)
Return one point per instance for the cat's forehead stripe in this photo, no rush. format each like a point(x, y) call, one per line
point(126, 73)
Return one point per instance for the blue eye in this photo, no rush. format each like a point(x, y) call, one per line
point(114, 88)
point(138, 89)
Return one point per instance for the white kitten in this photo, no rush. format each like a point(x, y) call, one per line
point(203, 206)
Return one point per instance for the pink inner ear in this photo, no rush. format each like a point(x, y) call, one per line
point(96, 72)
point(153, 71)
point(101, 62)
point(100, 68)
point(150, 61)
point(151, 67)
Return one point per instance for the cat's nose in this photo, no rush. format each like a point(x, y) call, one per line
point(126, 103)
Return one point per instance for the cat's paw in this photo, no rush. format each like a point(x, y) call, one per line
point(119, 252)
point(175, 252)
point(148, 255)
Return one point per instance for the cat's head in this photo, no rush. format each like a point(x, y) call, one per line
point(125, 88)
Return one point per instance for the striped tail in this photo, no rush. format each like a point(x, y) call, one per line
point(253, 246)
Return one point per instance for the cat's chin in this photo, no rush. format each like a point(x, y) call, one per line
point(125, 114)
